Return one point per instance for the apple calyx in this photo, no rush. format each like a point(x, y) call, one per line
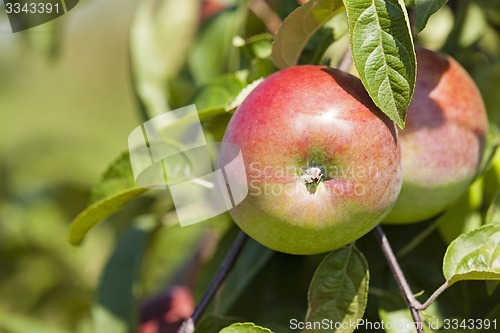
point(312, 176)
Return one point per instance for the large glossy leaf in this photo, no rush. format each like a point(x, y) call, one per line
point(424, 9)
point(339, 289)
point(160, 37)
point(116, 309)
point(298, 28)
point(116, 188)
point(474, 256)
point(245, 328)
point(383, 52)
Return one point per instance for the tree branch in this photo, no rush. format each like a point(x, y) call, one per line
point(264, 12)
point(345, 63)
point(222, 273)
point(413, 304)
point(435, 295)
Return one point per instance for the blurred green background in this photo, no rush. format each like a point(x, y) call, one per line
point(66, 109)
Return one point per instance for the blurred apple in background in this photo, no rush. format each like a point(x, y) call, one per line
point(443, 141)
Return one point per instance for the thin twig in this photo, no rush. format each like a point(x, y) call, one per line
point(435, 295)
point(345, 63)
point(413, 304)
point(220, 276)
point(264, 12)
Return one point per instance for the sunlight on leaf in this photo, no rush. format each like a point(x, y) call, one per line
point(298, 28)
point(424, 10)
point(245, 328)
point(383, 52)
point(116, 188)
point(474, 256)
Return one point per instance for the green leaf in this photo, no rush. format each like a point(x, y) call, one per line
point(213, 324)
point(383, 52)
point(116, 188)
point(257, 46)
point(315, 50)
point(160, 37)
point(424, 9)
point(329, 44)
point(245, 328)
point(116, 309)
point(298, 28)
point(219, 92)
point(243, 94)
point(116, 178)
point(213, 52)
point(474, 256)
point(339, 288)
point(493, 215)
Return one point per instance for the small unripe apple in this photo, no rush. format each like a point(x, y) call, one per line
point(443, 141)
point(322, 162)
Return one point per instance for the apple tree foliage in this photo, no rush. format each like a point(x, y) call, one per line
point(177, 59)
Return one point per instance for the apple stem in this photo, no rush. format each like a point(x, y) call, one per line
point(413, 304)
point(220, 276)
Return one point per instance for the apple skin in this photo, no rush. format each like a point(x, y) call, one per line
point(313, 118)
point(443, 140)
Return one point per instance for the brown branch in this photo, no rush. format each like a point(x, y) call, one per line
point(220, 276)
point(345, 63)
point(413, 304)
point(435, 295)
point(264, 12)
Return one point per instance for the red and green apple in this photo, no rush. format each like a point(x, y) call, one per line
point(443, 141)
point(322, 162)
